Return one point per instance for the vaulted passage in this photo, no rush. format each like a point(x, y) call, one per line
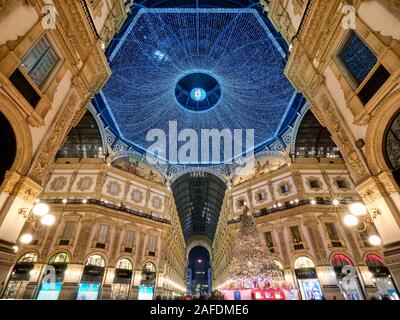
point(198, 199)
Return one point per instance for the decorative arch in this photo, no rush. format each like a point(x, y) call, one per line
point(381, 118)
point(127, 259)
point(26, 253)
point(18, 122)
point(59, 254)
point(198, 242)
point(105, 260)
point(302, 255)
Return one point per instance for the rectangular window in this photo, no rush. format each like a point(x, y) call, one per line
point(261, 196)
point(314, 184)
point(37, 233)
point(284, 188)
point(152, 245)
point(357, 58)
point(24, 87)
point(270, 242)
point(333, 234)
point(40, 62)
point(296, 237)
point(67, 232)
point(341, 183)
point(129, 241)
point(103, 234)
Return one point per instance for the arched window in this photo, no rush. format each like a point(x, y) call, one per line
point(313, 140)
point(8, 146)
point(303, 262)
point(95, 260)
point(340, 260)
point(29, 257)
point(59, 258)
point(84, 140)
point(149, 267)
point(392, 147)
point(279, 264)
point(124, 264)
point(372, 260)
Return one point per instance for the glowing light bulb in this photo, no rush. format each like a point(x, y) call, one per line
point(15, 248)
point(335, 202)
point(40, 209)
point(313, 202)
point(350, 220)
point(358, 209)
point(26, 238)
point(375, 240)
point(48, 220)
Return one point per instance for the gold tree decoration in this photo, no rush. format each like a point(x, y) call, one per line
point(252, 265)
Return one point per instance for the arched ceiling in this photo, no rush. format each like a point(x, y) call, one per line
point(232, 41)
point(198, 199)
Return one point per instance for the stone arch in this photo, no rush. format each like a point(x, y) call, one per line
point(376, 132)
point(24, 147)
point(198, 241)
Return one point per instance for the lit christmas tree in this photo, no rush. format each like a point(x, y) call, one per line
point(252, 265)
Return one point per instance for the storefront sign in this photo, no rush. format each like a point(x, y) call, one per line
point(306, 273)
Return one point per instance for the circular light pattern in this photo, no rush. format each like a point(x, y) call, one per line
point(26, 238)
point(350, 220)
point(40, 209)
point(48, 220)
point(375, 240)
point(198, 94)
point(234, 46)
point(358, 209)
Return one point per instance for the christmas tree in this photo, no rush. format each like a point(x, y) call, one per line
point(252, 265)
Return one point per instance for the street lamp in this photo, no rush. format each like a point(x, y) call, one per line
point(39, 213)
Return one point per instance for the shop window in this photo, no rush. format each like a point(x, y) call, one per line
point(296, 238)
point(333, 235)
point(270, 242)
point(67, 233)
point(359, 61)
point(392, 147)
point(129, 241)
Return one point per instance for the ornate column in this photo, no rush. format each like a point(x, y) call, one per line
point(18, 193)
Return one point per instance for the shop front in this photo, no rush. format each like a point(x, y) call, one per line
point(122, 280)
point(20, 276)
point(307, 279)
point(349, 285)
point(53, 277)
point(382, 279)
point(147, 282)
point(92, 278)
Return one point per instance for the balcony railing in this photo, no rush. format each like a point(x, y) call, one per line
point(109, 206)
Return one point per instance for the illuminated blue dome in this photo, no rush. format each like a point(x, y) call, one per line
point(234, 53)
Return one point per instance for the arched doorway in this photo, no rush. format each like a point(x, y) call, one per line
point(92, 278)
point(20, 276)
point(392, 147)
point(8, 146)
point(51, 284)
point(148, 282)
point(351, 290)
point(307, 279)
point(122, 280)
point(199, 277)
